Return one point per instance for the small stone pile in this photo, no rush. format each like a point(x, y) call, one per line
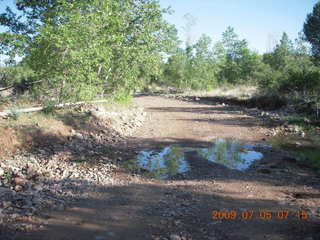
point(124, 122)
point(23, 193)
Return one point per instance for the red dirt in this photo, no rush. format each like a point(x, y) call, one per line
point(182, 208)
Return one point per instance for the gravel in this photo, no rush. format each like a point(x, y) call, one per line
point(52, 177)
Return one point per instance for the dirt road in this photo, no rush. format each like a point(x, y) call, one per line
point(274, 199)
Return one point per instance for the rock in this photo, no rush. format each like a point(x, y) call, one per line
point(42, 152)
point(298, 143)
point(14, 216)
point(38, 187)
point(175, 237)
point(7, 204)
point(19, 181)
point(18, 188)
point(78, 135)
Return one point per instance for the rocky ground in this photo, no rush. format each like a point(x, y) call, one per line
point(78, 188)
point(53, 174)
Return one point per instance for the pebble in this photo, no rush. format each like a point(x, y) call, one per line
point(175, 237)
point(18, 188)
point(38, 187)
point(19, 180)
point(7, 204)
point(78, 135)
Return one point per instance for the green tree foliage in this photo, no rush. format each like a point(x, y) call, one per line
point(83, 47)
point(174, 70)
point(312, 31)
point(19, 74)
point(289, 68)
point(279, 58)
point(237, 61)
point(203, 65)
point(193, 67)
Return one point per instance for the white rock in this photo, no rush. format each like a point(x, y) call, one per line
point(18, 188)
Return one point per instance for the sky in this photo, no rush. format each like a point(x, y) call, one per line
point(261, 22)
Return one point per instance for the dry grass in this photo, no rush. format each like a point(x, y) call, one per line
point(30, 129)
point(22, 101)
point(240, 92)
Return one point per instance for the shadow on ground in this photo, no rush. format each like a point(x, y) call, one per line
point(148, 211)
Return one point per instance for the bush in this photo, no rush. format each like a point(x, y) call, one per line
point(14, 114)
point(12, 75)
point(49, 108)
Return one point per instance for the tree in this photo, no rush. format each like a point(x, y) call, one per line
point(289, 68)
point(203, 64)
point(312, 31)
point(193, 67)
point(239, 62)
point(279, 58)
point(174, 73)
point(300, 45)
point(86, 47)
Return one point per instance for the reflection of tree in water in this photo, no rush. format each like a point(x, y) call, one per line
point(173, 160)
point(162, 164)
point(226, 152)
point(155, 161)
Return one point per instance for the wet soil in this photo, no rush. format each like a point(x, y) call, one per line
point(275, 198)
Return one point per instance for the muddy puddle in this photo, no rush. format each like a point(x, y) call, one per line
point(172, 160)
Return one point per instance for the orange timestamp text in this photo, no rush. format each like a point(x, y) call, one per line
point(260, 214)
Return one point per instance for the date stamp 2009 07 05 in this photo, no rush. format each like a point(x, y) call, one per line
point(260, 214)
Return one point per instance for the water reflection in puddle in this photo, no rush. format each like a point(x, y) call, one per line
point(171, 160)
point(232, 154)
point(164, 164)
